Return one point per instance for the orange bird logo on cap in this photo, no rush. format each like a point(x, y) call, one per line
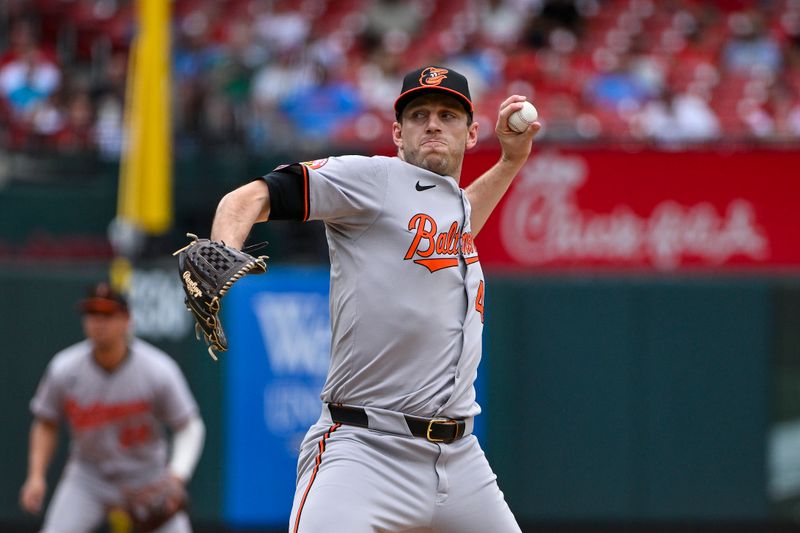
point(433, 76)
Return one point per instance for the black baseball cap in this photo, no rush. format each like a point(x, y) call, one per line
point(102, 298)
point(432, 78)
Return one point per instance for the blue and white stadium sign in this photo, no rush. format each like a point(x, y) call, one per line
point(278, 328)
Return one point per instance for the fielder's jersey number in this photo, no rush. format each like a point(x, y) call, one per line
point(135, 434)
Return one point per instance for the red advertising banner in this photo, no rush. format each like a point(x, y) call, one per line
point(650, 210)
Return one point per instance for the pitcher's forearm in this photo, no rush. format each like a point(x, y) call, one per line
point(238, 211)
point(485, 193)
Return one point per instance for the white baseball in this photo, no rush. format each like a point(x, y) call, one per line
point(520, 120)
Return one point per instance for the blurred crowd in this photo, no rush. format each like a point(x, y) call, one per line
point(272, 74)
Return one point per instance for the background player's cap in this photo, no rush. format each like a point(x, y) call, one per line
point(101, 298)
point(428, 79)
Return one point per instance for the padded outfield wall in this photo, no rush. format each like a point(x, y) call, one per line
point(606, 399)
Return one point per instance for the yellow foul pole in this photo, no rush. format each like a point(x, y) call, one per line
point(144, 201)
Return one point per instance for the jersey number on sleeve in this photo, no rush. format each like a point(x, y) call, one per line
point(479, 300)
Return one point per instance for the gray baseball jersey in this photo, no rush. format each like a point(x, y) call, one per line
point(406, 286)
point(116, 418)
point(116, 421)
point(407, 296)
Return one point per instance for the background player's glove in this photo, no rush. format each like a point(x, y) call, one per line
point(208, 269)
point(150, 506)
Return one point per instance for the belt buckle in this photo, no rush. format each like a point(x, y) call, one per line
point(441, 421)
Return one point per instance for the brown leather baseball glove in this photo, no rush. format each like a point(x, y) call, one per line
point(152, 505)
point(208, 269)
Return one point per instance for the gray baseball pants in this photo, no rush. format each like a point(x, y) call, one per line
point(355, 480)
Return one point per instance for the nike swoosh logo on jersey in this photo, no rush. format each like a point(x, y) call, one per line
point(424, 187)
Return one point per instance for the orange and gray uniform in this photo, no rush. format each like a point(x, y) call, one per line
point(407, 295)
point(117, 424)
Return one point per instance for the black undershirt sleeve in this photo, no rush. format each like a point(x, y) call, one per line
point(288, 193)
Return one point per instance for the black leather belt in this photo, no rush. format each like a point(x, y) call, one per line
point(431, 429)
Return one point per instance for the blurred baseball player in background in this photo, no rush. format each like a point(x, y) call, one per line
point(393, 449)
point(117, 393)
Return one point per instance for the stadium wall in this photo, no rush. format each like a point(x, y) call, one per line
point(617, 400)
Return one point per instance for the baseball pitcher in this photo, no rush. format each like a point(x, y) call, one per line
point(393, 449)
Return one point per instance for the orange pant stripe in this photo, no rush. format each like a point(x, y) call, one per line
point(317, 462)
